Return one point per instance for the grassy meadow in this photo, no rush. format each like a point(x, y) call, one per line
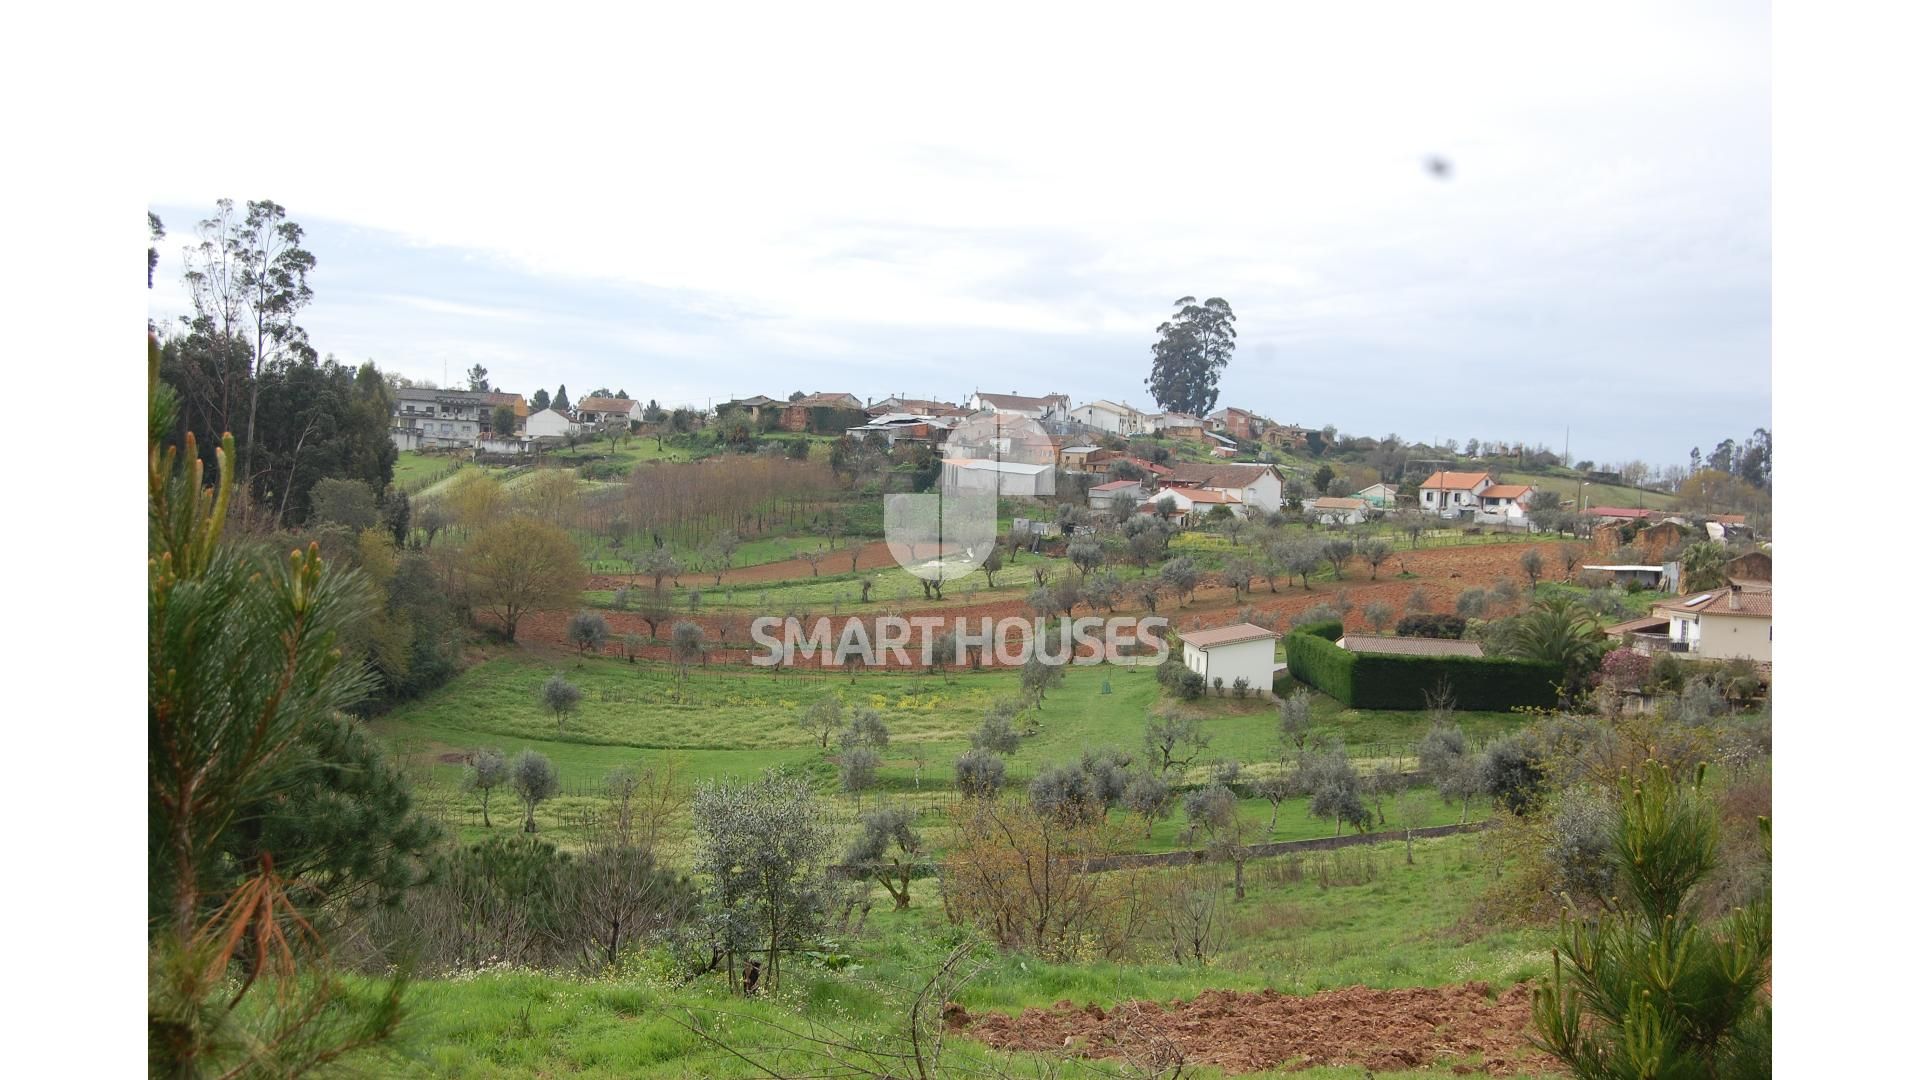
point(718, 722)
point(1361, 916)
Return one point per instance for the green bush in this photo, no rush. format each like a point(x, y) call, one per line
point(1315, 660)
point(1437, 625)
point(1386, 681)
point(1329, 629)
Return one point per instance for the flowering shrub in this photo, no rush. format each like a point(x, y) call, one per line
point(1624, 669)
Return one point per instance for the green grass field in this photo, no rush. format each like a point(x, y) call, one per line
point(1568, 488)
point(413, 470)
point(737, 722)
point(1360, 916)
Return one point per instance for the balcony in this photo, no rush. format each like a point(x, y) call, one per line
point(1655, 644)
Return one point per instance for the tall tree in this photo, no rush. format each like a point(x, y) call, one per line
point(156, 232)
point(541, 400)
point(477, 379)
point(560, 402)
point(250, 806)
point(248, 280)
point(521, 565)
point(1193, 350)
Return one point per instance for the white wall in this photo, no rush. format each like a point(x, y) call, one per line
point(547, 423)
point(1725, 637)
point(1250, 659)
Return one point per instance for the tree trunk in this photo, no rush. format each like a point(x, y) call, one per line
point(486, 796)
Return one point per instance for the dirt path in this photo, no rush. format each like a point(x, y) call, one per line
point(1466, 1027)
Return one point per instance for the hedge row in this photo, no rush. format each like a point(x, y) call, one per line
point(1387, 681)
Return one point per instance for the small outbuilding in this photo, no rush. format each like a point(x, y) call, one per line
point(1329, 510)
point(1229, 653)
point(1652, 575)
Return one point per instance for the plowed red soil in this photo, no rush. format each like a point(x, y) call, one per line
point(1441, 573)
point(1463, 1027)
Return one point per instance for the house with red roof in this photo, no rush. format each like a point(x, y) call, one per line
point(1453, 494)
point(1190, 502)
point(1102, 496)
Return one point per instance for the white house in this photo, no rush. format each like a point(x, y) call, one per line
point(603, 411)
point(425, 417)
point(1330, 510)
point(1224, 655)
point(1178, 425)
point(1505, 503)
point(548, 424)
point(1378, 495)
point(1453, 494)
point(1112, 418)
point(1257, 486)
point(1194, 501)
point(1101, 496)
point(1050, 407)
point(1001, 477)
point(1735, 621)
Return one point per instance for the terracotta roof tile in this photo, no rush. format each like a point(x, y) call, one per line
point(1751, 603)
point(1506, 491)
point(1226, 635)
point(1455, 481)
point(1411, 646)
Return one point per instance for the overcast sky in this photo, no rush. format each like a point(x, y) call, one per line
point(693, 210)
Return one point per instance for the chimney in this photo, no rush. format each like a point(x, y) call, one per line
point(1733, 598)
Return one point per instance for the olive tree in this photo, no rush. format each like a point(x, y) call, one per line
point(1086, 553)
point(1379, 613)
point(1375, 551)
point(534, 781)
point(1181, 576)
point(865, 729)
point(1302, 557)
point(689, 644)
point(1339, 552)
point(825, 717)
point(1216, 811)
point(1148, 796)
point(486, 770)
point(978, 773)
point(1449, 766)
point(1174, 740)
point(1333, 788)
point(560, 698)
point(1296, 720)
point(858, 764)
point(890, 847)
point(587, 631)
point(1531, 564)
point(1066, 793)
point(760, 846)
point(1037, 677)
point(996, 733)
